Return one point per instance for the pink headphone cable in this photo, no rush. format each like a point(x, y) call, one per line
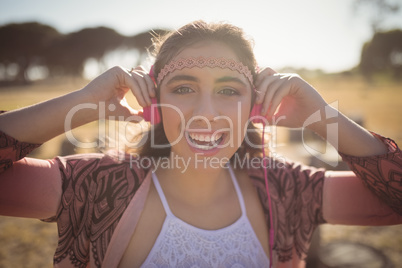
point(271, 226)
point(256, 117)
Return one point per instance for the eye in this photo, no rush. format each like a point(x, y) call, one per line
point(183, 90)
point(228, 92)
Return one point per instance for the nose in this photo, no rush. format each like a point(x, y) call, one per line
point(205, 108)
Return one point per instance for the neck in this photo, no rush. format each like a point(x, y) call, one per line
point(194, 182)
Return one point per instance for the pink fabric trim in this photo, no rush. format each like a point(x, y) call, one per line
point(293, 187)
point(125, 229)
point(12, 150)
point(382, 174)
point(201, 62)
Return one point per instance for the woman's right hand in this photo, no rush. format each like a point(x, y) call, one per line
point(112, 86)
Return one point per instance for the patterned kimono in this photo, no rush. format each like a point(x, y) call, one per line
point(102, 199)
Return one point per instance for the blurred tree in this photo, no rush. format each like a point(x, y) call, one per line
point(383, 54)
point(143, 42)
point(25, 44)
point(31, 44)
point(378, 11)
point(68, 54)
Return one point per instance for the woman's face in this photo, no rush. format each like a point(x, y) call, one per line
point(205, 110)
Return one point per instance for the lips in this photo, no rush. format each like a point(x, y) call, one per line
point(205, 141)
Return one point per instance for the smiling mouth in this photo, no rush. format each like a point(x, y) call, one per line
point(205, 141)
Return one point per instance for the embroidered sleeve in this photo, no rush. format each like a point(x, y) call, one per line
point(296, 194)
point(96, 191)
point(382, 174)
point(12, 150)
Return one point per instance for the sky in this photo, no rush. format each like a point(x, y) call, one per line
point(313, 34)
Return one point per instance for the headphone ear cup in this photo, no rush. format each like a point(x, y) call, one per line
point(151, 113)
point(255, 114)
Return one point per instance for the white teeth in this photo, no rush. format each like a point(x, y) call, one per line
point(216, 137)
point(205, 147)
point(205, 138)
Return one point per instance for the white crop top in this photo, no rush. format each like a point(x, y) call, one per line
point(180, 244)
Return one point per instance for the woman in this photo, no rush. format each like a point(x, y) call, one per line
point(201, 208)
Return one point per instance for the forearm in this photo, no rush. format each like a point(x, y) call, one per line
point(43, 121)
point(350, 138)
point(376, 161)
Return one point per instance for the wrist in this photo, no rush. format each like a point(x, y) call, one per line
point(85, 108)
point(323, 120)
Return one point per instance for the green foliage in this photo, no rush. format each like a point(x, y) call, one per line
point(383, 54)
point(32, 44)
point(68, 54)
point(25, 44)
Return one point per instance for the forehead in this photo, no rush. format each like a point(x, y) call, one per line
point(207, 49)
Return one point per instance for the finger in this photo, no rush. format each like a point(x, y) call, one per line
point(263, 88)
point(273, 87)
point(280, 93)
point(267, 70)
point(150, 86)
point(139, 68)
point(136, 90)
point(148, 80)
point(264, 73)
point(142, 87)
point(149, 89)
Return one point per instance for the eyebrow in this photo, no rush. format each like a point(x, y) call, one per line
point(191, 78)
point(182, 78)
point(230, 79)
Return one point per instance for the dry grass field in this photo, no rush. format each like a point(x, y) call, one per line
point(31, 243)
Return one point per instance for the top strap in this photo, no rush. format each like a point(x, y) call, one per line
point(238, 191)
point(161, 195)
point(166, 205)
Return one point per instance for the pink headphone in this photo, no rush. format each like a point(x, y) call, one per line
point(151, 113)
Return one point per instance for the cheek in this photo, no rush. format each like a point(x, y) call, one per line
point(173, 123)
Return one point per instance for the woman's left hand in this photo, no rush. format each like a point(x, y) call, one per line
point(287, 100)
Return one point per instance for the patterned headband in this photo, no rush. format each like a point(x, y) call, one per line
point(205, 62)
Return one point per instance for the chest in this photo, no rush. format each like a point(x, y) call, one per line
point(219, 216)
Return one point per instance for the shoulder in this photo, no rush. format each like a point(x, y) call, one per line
point(99, 178)
point(96, 191)
point(110, 166)
point(79, 159)
point(277, 169)
point(288, 181)
point(103, 160)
